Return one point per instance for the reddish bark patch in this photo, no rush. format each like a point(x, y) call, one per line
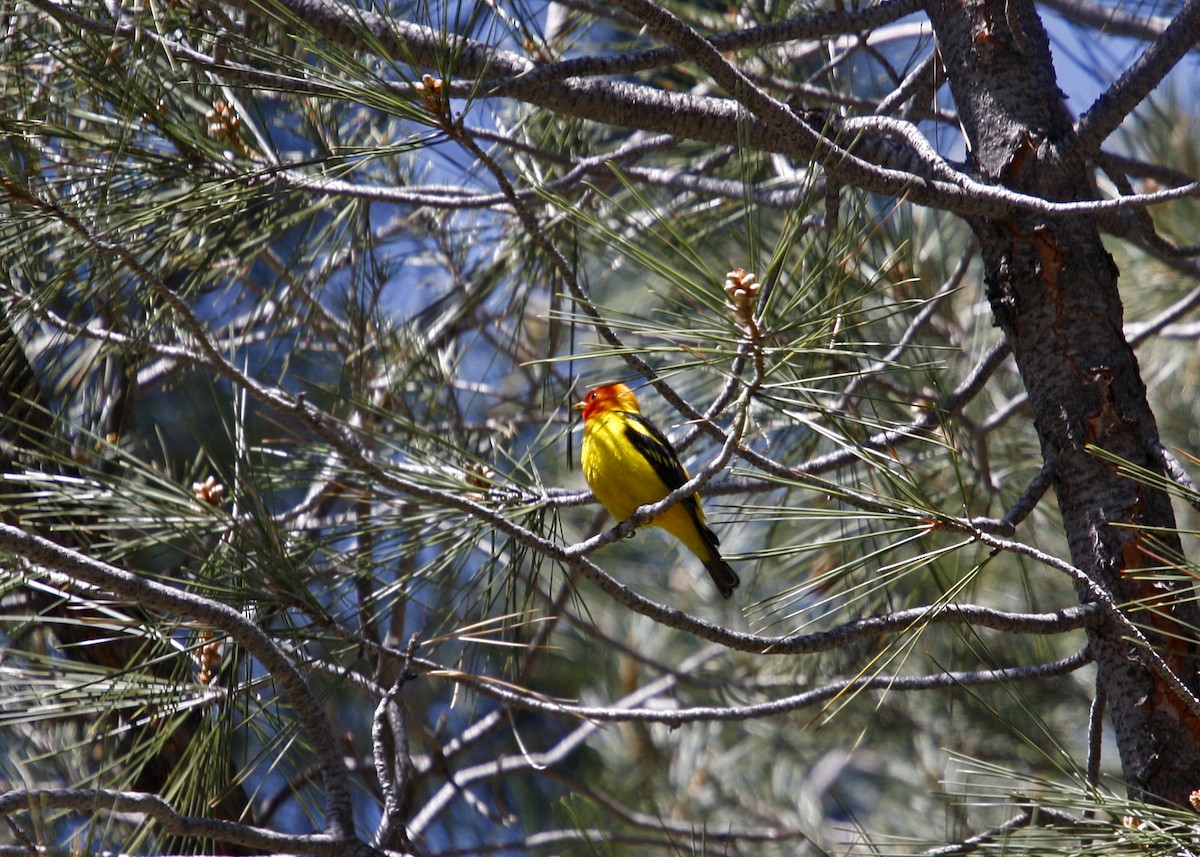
point(1172, 640)
point(1023, 153)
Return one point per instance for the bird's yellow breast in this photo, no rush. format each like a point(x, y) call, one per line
point(623, 478)
point(620, 477)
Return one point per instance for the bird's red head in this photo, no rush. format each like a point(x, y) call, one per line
point(610, 397)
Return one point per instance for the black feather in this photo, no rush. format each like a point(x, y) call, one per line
point(655, 448)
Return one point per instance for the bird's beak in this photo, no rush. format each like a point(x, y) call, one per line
point(578, 406)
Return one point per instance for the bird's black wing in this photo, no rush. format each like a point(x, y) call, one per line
point(655, 448)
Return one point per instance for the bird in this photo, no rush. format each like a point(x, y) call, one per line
point(628, 463)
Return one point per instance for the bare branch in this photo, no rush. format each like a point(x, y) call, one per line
point(74, 566)
point(1114, 613)
point(815, 26)
point(671, 716)
point(1137, 81)
point(1033, 493)
point(1028, 817)
point(566, 746)
point(153, 806)
point(1112, 20)
point(1059, 621)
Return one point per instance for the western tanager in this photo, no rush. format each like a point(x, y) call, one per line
point(629, 463)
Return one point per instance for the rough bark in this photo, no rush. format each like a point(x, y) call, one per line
point(1053, 291)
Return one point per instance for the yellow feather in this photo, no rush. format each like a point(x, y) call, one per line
point(623, 477)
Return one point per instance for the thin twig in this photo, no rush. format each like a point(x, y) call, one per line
point(1033, 493)
point(677, 716)
point(1027, 817)
point(561, 750)
point(1146, 651)
point(1136, 82)
point(74, 567)
point(918, 322)
point(1060, 621)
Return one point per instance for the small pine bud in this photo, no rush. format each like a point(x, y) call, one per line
point(479, 475)
point(209, 491)
point(208, 658)
point(741, 288)
point(225, 125)
point(432, 92)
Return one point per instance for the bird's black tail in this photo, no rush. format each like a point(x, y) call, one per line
point(723, 576)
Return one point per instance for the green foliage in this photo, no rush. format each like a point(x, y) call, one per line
point(193, 257)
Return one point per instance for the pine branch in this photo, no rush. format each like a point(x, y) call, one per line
point(1028, 817)
point(1100, 120)
point(771, 127)
point(69, 568)
point(462, 779)
point(678, 716)
point(1059, 621)
point(173, 823)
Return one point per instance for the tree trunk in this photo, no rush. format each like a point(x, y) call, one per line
point(1053, 291)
